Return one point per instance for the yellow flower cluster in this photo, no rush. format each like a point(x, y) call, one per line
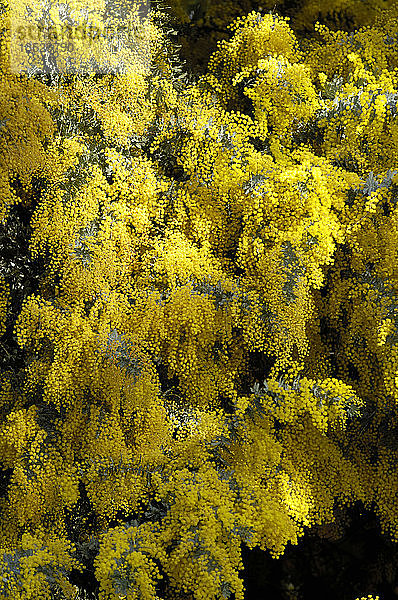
point(26, 126)
point(41, 563)
point(216, 309)
point(125, 565)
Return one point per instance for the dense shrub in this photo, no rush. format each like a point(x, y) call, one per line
point(198, 300)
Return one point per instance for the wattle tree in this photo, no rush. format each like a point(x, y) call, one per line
point(198, 296)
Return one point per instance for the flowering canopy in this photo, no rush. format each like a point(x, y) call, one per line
point(206, 353)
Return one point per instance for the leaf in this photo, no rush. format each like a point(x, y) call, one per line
point(371, 184)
